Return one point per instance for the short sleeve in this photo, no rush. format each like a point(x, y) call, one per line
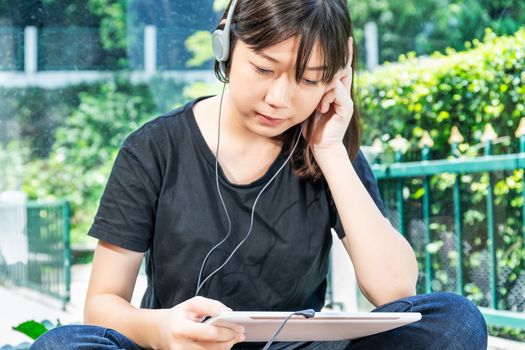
point(126, 213)
point(366, 176)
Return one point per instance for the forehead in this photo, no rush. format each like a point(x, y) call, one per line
point(285, 52)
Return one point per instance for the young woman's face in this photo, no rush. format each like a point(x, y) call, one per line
point(263, 89)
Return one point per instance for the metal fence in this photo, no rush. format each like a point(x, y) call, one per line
point(465, 219)
point(36, 253)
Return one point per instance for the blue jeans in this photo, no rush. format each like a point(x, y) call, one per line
point(449, 321)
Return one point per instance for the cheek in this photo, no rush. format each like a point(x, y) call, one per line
point(244, 82)
point(310, 99)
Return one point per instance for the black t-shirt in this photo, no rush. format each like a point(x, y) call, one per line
point(161, 198)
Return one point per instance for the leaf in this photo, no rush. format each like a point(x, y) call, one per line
point(419, 193)
point(31, 328)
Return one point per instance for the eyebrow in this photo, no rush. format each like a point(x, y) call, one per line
point(274, 60)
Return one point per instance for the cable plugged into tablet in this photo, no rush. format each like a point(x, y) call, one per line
point(308, 313)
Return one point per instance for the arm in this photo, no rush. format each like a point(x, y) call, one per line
point(110, 289)
point(384, 261)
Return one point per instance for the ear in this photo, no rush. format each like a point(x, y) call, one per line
point(221, 24)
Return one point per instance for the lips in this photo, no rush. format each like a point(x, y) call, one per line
point(268, 117)
point(266, 120)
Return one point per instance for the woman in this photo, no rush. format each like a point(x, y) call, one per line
point(286, 135)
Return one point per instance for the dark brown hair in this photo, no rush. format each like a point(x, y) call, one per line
point(264, 23)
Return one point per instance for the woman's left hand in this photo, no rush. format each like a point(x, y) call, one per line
point(335, 110)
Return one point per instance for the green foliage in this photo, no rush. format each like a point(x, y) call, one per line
point(202, 89)
point(85, 147)
point(112, 28)
point(34, 329)
point(167, 93)
point(507, 332)
point(199, 44)
point(16, 155)
point(33, 114)
point(425, 26)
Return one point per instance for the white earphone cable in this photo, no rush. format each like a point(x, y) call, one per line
point(199, 283)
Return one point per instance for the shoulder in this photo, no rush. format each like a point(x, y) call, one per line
point(160, 132)
point(156, 128)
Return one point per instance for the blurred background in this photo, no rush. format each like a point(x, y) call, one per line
point(441, 90)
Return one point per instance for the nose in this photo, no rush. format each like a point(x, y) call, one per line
point(279, 94)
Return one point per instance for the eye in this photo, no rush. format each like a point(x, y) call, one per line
point(311, 82)
point(262, 71)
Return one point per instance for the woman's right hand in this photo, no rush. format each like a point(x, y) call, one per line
point(181, 327)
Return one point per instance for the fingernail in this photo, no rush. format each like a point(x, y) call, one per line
point(241, 338)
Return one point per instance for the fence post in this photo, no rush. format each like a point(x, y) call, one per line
point(400, 146)
point(30, 50)
point(371, 43)
point(150, 49)
point(520, 132)
point(454, 140)
point(66, 214)
point(377, 149)
point(489, 135)
point(425, 144)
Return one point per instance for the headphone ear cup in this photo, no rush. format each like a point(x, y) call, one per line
point(220, 45)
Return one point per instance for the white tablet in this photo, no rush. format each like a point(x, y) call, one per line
point(324, 326)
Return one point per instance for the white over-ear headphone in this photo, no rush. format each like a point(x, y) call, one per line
point(220, 40)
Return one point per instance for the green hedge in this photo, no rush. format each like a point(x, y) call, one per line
point(467, 89)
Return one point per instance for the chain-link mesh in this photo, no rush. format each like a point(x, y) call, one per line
point(510, 271)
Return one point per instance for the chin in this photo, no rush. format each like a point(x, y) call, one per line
point(268, 131)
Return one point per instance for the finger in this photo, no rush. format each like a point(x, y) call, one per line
point(230, 325)
point(204, 332)
point(327, 99)
point(219, 346)
point(331, 85)
point(350, 52)
point(347, 81)
point(348, 71)
point(201, 306)
point(339, 98)
point(343, 105)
